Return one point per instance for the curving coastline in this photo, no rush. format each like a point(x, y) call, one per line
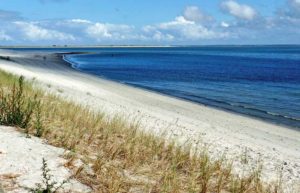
point(186, 121)
point(264, 113)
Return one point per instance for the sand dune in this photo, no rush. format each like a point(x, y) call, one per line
point(277, 146)
point(21, 162)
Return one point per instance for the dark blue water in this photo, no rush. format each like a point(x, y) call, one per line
point(259, 81)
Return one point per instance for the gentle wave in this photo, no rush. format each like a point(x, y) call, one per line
point(263, 87)
point(243, 109)
point(247, 107)
point(74, 64)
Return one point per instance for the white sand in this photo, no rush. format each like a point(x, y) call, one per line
point(276, 146)
point(21, 162)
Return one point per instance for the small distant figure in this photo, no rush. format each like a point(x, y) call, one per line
point(44, 58)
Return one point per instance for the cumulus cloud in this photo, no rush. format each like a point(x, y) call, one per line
point(99, 31)
point(240, 11)
point(102, 31)
point(179, 21)
point(182, 29)
point(193, 26)
point(32, 31)
point(193, 13)
point(159, 36)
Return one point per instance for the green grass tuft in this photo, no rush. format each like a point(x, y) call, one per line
point(16, 109)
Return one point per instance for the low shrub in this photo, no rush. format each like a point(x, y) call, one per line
point(16, 108)
point(48, 185)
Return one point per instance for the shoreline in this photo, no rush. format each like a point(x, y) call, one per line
point(269, 117)
point(221, 131)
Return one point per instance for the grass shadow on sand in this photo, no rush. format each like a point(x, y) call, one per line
point(118, 156)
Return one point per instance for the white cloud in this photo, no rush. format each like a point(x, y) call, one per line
point(189, 26)
point(193, 13)
point(240, 11)
point(179, 21)
point(80, 21)
point(32, 31)
point(199, 32)
point(4, 36)
point(181, 29)
point(192, 27)
point(225, 24)
point(101, 31)
point(159, 36)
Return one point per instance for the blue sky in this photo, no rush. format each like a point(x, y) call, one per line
point(155, 22)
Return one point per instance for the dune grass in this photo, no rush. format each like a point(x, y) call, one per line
point(118, 156)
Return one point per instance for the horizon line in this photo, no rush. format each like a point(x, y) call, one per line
point(134, 45)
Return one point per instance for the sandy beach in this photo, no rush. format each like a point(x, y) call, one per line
point(21, 162)
point(277, 147)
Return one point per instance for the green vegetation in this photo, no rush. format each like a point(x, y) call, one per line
point(16, 109)
point(38, 125)
point(117, 155)
point(49, 185)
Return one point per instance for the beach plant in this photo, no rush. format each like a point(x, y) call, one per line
point(16, 109)
point(38, 125)
point(49, 185)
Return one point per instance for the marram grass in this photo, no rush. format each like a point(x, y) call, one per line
point(118, 156)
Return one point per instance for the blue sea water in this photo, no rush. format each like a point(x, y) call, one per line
point(258, 81)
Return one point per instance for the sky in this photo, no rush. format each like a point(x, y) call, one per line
point(149, 22)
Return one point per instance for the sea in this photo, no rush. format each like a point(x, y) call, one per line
point(257, 81)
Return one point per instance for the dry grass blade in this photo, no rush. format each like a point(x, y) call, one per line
point(119, 157)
